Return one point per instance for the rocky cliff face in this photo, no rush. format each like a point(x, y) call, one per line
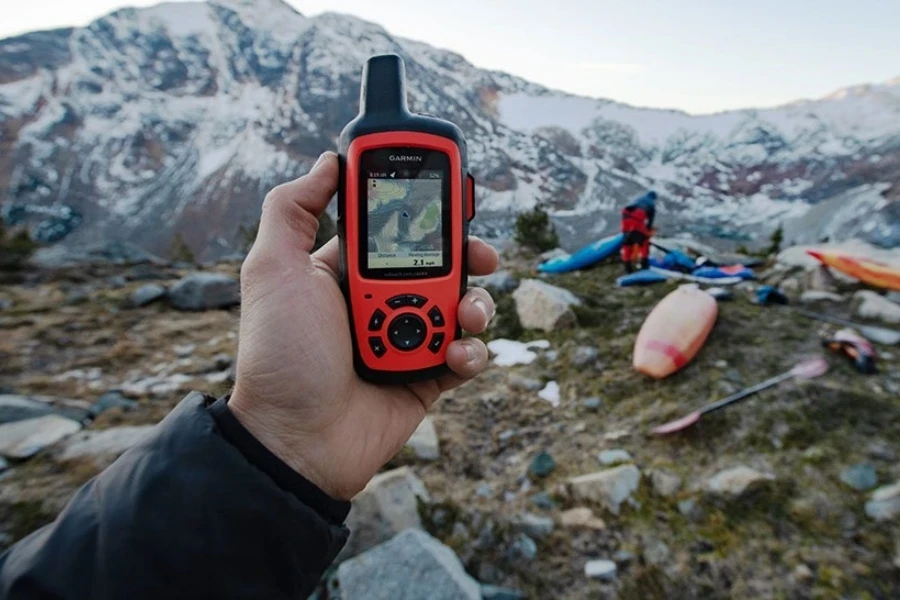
point(178, 118)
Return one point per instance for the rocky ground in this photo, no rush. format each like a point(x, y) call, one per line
point(541, 478)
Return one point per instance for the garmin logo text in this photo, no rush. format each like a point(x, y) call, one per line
point(404, 158)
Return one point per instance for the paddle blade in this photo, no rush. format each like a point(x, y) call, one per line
point(817, 254)
point(810, 368)
point(677, 425)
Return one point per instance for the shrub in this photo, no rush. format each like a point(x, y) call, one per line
point(534, 230)
point(15, 248)
point(776, 240)
point(179, 251)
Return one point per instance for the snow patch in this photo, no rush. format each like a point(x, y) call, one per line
point(550, 393)
point(510, 352)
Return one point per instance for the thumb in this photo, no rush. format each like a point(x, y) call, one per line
point(290, 212)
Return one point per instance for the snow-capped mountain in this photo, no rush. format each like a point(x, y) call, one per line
point(179, 117)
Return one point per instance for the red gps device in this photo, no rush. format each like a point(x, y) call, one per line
point(404, 205)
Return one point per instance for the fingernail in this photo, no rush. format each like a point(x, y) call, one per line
point(320, 161)
point(470, 353)
point(483, 307)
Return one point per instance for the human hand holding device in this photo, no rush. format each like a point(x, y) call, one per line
point(296, 389)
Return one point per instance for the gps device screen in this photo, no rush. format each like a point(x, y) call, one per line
point(405, 201)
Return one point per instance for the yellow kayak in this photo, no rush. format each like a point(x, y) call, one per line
point(868, 271)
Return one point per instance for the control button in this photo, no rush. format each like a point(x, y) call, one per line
point(437, 340)
point(437, 319)
point(377, 320)
point(407, 300)
point(407, 332)
point(377, 346)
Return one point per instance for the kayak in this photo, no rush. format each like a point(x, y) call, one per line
point(674, 332)
point(868, 271)
point(697, 279)
point(645, 277)
point(723, 272)
point(587, 256)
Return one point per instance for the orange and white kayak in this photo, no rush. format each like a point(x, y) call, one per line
point(868, 271)
point(674, 331)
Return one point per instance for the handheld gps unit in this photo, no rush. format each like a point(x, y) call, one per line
point(404, 205)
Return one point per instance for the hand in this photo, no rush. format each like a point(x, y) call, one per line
point(296, 389)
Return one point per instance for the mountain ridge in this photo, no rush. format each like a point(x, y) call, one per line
point(178, 118)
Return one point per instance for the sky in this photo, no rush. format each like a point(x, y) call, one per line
point(696, 55)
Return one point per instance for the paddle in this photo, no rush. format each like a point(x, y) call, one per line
point(807, 369)
point(879, 335)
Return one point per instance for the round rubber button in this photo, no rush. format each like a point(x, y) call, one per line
point(407, 332)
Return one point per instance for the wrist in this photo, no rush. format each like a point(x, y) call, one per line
point(297, 451)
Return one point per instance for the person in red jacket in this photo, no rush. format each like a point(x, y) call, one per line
point(637, 227)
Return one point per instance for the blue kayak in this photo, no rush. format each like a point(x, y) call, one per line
point(725, 272)
point(585, 257)
point(644, 277)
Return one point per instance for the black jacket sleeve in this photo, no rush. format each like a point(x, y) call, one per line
point(198, 509)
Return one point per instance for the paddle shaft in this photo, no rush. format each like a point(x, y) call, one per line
point(747, 392)
point(876, 332)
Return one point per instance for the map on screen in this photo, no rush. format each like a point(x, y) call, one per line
point(404, 223)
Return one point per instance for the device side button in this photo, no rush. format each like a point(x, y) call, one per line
point(437, 319)
point(437, 340)
point(377, 320)
point(377, 346)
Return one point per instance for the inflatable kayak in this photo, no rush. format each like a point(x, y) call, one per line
point(585, 257)
point(674, 332)
point(868, 271)
point(696, 278)
point(641, 278)
point(724, 272)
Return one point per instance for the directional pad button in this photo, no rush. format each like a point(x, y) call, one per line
point(407, 332)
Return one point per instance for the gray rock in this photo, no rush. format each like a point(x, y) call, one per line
point(542, 465)
point(876, 306)
point(494, 592)
point(820, 279)
point(656, 552)
point(737, 481)
point(116, 282)
point(18, 408)
point(614, 456)
point(147, 293)
point(581, 516)
point(3, 464)
point(411, 566)
point(112, 252)
point(790, 285)
point(543, 500)
point(544, 306)
point(424, 441)
point(78, 296)
point(222, 361)
point(484, 490)
point(686, 507)
point(885, 503)
point(5, 303)
point(23, 439)
point(610, 488)
point(860, 477)
point(111, 399)
point(522, 548)
point(592, 404)
point(525, 384)
point(389, 504)
point(813, 296)
point(880, 450)
point(533, 525)
point(600, 569)
point(665, 484)
point(555, 253)
point(584, 355)
point(501, 281)
point(893, 297)
point(104, 445)
point(720, 294)
point(204, 291)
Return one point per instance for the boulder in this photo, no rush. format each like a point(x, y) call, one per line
point(581, 516)
point(23, 439)
point(388, 505)
point(112, 252)
point(609, 488)
point(592, 404)
point(536, 526)
point(205, 291)
point(103, 446)
point(737, 481)
point(600, 569)
point(501, 281)
point(544, 306)
point(614, 456)
point(522, 547)
point(876, 306)
point(860, 477)
point(424, 441)
point(820, 279)
point(411, 566)
point(18, 408)
point(147, 293)
point(885, 503)
point(664, 484)
point(813, 296)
